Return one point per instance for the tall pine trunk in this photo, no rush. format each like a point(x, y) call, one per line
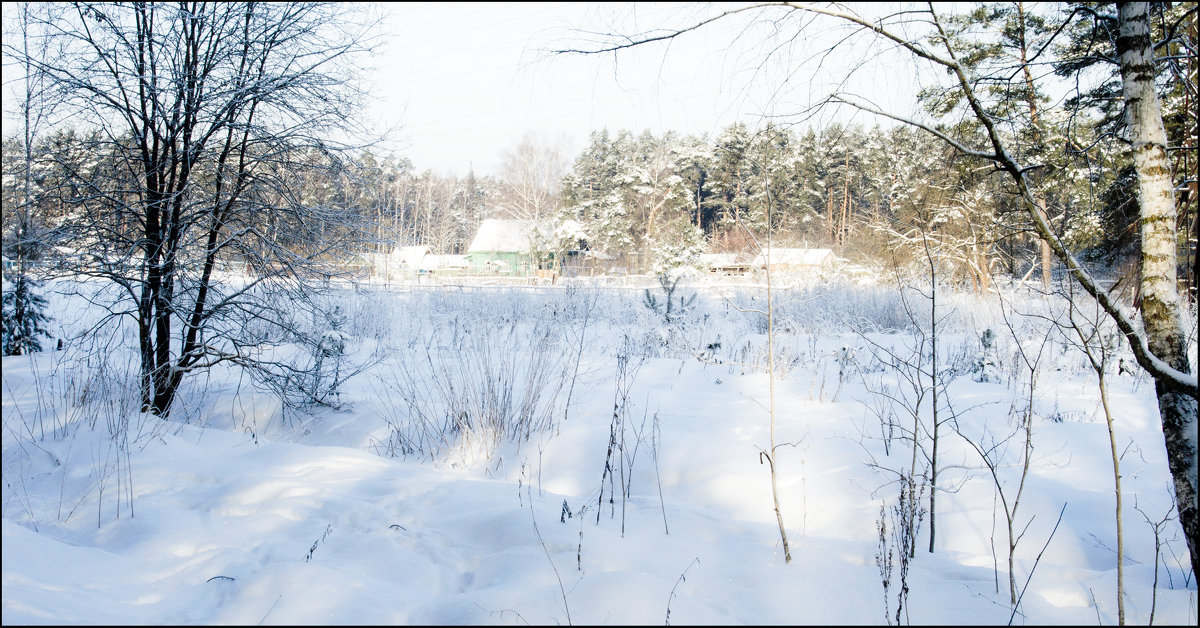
point(1159, 289)
point(1031, 101)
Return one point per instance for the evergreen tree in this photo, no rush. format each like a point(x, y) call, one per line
point(657, 195)
point(808, 171)
point(731, 174)
point(592, 195)
point(695, 167)
point(24, 322)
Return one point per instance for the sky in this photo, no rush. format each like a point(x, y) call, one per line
point(457, 84)
point(462, 82)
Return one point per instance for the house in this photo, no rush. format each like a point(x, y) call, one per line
point(409, 258)
point(726, 263)
point(416, 261)
point(512, 248)
point(810, 262)
point(443, 264)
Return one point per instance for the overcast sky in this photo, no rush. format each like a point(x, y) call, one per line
point(465, 81)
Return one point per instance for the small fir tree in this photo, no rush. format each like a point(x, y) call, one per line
point(24, 317)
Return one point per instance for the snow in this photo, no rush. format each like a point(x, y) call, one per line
point(795, 257)
point(509, 236)
point(240, 510)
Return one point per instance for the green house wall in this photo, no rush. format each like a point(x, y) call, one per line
point(513, 261)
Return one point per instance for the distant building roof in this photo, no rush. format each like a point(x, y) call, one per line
point(796, 257)
point(441, 262)
point(508, 236)
point(725, 260)
point(411, 256)
point(419, 258)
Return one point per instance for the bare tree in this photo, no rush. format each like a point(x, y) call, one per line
point(530, 178)
point(771, 455)
point(1030, 354)
point(924, 374)
point(1158, 343)
point(1095, 345)
point(211, 114)
point(764, 248)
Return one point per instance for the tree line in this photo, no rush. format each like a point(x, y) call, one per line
point(654, 201)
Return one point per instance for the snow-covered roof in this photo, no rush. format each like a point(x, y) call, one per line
point(508, 236)
point(412, 256)
point(724, 260)
point(419, 258)
point(437, 262)
point(796, 257)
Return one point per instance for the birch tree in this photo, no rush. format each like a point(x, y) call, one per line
point(531, 178)
point(1161, 311)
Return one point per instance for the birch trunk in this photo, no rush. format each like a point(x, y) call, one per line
point(1160, 293)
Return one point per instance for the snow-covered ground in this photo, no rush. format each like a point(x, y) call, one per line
point(565, 455)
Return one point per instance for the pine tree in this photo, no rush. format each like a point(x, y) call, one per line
point(25, 320)
point(731, 173)
point(695, 167)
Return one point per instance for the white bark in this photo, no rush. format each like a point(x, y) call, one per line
point(1159, 287)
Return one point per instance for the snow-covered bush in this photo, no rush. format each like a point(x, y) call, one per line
point(463, 388)
point(985, 366)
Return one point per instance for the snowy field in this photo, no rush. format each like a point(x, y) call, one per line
point(569, 455)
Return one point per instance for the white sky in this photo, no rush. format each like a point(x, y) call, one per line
point(459, 83)
point(465, 81)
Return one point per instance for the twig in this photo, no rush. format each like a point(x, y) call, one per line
point(1095, 605)
point(561, 589)
point(264, 617)
point(654, 438)
point(502, 611)
point(682, 578)
point(1035, 564)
